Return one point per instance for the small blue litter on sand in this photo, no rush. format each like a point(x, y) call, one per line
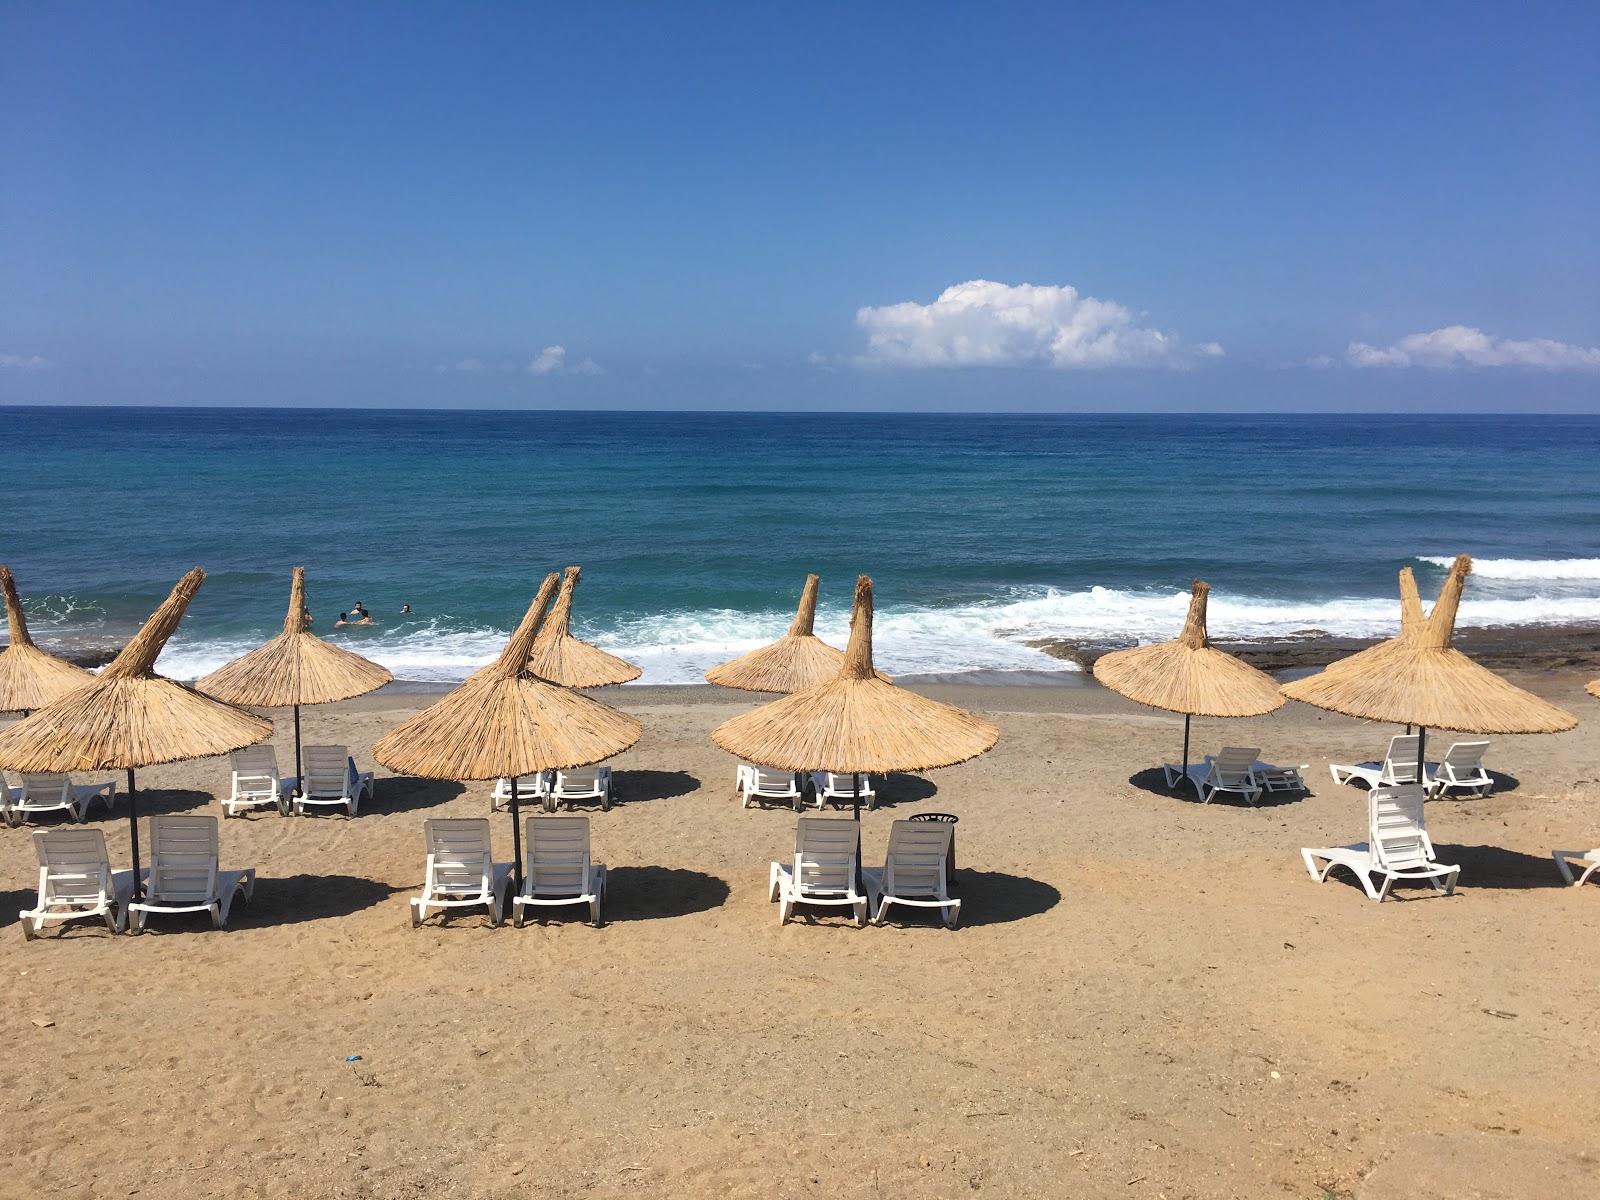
point(353, 1058)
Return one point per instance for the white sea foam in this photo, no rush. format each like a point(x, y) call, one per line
point(1529, 570)
point(678, 647)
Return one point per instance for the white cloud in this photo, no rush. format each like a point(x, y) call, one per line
point(1463, 346)
point(24, 362)
point(986, 324)
point(552, 360)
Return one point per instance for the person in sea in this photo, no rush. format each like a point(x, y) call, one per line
point(360, 611)
point(344, 619)
point(405, 610)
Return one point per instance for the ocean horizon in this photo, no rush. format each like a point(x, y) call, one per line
point(984, 533)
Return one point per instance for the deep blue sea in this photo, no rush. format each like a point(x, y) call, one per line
point(695, 530)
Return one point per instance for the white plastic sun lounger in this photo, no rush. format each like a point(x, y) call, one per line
point(461, 871)
point(1589, 860)
point(529, 788)
point(558, 868)
point(1461, 769)
point(1398, 846)
point(183, 876)
point(1399, 765)
point(331, 780)
point(55, 792)
point(756, 785)
point(256, 782)
point(1280, 779)
point(823, 870)
point(586, 783)
point(1230, 770)
point(915, 871)
point(835, 789)
point(76, 880)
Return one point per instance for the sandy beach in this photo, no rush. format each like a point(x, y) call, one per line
point(1145, 998)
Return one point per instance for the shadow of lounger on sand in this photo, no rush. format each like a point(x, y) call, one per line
point(1154, 781)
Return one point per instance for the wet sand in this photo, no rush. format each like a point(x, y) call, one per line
point(1145, 998)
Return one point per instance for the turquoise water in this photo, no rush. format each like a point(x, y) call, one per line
point(696, 530)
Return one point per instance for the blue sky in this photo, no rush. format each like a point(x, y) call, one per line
point(1221, 206)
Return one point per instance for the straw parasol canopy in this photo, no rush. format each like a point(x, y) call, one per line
point(562, 658)
point(130, 717)
point(506, 722)
point(30, 678)
point(1411, 623)
point(1189, 675)
point(1594, 688)
point(294, 668)
point(856, 723)
point(1422, 680)
point(796, 661)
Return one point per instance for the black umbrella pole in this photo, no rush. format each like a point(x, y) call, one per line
point(133, 834)
point(298, 777)
point(516, 837)
point(1186, 718)
point(1422, 758)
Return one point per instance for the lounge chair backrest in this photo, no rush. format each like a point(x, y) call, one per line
point(327, 770)
point(558, 854)
point(46, 785)
point(583, 779)
point(917, 858)
point(1233, 764)
point(1400, 764)
point(255, 761)
point(459, 853)
point(1465, 757)
point(768, 780)
point(183, 859)
point(825, 854)
point(73, 867)
point(1396, 832)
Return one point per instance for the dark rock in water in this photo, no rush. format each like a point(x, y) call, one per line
point(1525, 648)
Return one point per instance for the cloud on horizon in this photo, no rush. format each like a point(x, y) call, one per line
point(985, 324)
point(1464, 346)
point(552, 360)
point(24, 362)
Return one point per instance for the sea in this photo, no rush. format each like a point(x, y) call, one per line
point(984, 534)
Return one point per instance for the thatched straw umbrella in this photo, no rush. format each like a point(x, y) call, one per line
point(30, 678)
point(856, 723)
point(505, 721)
point(131, 717)
point(796, 661)
point(1420, 679)
point(294, 668)
point(1190, 676)
point(1594, 688)
point(562, 658)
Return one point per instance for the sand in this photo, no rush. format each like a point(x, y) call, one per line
point(1145, 998)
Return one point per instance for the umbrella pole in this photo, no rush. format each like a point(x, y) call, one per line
point(1185, 775)
point(297, 775)
point(516, 837)
point(1422, 758)
point(133, 834)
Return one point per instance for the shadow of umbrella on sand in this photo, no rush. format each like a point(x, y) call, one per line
point(1420, 679)
point(294, 668)
point(505, 721)
point(563, 659)
point(856, 723)
point(130, 717)
point(1190, 676)
point(30, 678)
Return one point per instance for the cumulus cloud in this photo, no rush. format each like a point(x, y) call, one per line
point(985, 324)
point(1463, 346)
point(24, 362)
point(552, 360)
